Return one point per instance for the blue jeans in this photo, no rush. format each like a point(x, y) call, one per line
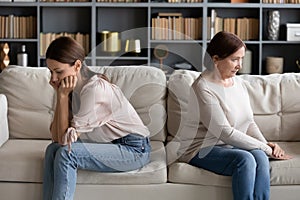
point(60, 167)
point(250, 170)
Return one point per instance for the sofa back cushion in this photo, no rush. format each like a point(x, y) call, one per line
point(275, 101)
point(146, 89)
point(31, 100)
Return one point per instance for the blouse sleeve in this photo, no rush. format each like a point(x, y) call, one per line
point(95, 107)
point(213, 118)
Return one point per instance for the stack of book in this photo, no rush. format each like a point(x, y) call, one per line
point(246, 28)
point(47, 38)
point(172, 26)
point(18, 27)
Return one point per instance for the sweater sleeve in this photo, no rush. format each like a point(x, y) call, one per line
point(214, 119)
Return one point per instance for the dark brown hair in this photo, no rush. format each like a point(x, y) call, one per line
point(223, 44)
point(67, 50)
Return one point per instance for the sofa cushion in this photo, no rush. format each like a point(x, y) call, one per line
point(146, 89)
point(32, 99)
point(4, 135)
point(178, 93)
point(153, 173)
point(275, 98)
point(287, 172)
point(180, 172)
point(282, 172)
point(24, 163)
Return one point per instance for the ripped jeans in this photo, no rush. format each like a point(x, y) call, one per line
point(60, 167)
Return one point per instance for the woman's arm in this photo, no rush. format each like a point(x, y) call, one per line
point(60, 121)
point(214, 119)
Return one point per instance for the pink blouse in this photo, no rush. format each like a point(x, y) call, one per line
point(104, 113)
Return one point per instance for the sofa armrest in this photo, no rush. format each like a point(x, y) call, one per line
point(3, 120)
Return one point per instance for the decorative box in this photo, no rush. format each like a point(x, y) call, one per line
point(293, 32)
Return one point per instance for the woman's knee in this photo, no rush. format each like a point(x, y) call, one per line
point(246, 160)
point(51, 149)
point(261, 158)
point(62, 153)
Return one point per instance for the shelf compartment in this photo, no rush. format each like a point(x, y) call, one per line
point(243, 22)
point(286, 16)
point(286, 51)
point(18, 22)
point(65, 19)
point(15, 47)
point(187, 25)
point(130, 24)
point(190, 53)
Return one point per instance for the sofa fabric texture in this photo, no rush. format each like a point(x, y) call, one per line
point(27, 103)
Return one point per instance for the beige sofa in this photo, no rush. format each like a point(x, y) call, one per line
point(27, 104)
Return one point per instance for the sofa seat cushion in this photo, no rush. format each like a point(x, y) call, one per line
point(283, 172)
point(153, 173)
point(22, 161)
point(180, 172)
point(287, 172)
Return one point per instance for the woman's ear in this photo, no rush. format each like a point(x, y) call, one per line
point(78, 65)
point(215, 59)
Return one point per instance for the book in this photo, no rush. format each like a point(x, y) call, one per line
point(23, 0)
point(171, 14)
point(212, 22)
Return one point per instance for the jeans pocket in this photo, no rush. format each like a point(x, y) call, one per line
point(139, 143)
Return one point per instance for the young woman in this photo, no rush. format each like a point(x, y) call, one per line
point(224, 137)
point(94, 125)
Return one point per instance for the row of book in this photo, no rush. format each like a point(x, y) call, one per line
point(65, 0)
point(18, 1)
point(47, 38)
point(172, 26)
point(184, 1)
point(246, 28)
point(120, 1)
point(18, 26)
point(281, 1)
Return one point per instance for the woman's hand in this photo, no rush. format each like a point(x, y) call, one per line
point(70, 137)
point(67, 85)
point(278, 152)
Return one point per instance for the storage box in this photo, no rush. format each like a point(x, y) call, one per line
point(293, 32)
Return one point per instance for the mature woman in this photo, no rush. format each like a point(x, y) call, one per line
point(223, 137)
point(94, 125)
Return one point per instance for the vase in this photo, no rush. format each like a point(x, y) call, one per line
point(274, 65)
point(273, 24)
